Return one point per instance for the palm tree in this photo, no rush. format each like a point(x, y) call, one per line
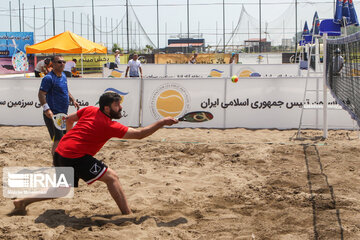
point(116, 47)
point(149, 48)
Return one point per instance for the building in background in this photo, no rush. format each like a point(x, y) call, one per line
point(286, 43)
point(185, 45)
point(252, 45)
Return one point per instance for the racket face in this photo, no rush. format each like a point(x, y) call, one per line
point(20, 62)
point(198, 116)
point(60, 121)
point(19, 59)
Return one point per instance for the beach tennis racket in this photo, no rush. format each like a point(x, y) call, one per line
point(19, 59)
point(60, 121)
point(195, 117)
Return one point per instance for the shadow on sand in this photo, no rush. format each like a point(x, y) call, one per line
point(56, 217)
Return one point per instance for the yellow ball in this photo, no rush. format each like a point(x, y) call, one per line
point(234, 79)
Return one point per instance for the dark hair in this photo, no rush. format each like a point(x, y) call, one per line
point(74, 60)
point(47, 60)
point(56, 56)
point(107, 99)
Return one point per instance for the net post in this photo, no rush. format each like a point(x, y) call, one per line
point(318, 81)
point(325, 106)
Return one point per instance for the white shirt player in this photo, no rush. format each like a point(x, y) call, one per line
point(134, 67)
point(69, 65)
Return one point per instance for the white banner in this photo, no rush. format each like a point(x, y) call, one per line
point(276, 103)
point(19, 103)
point(90, 89)
point(263, 58)
point(149, 71)
point(154, 70)
point(208, 70)
point(265, 70)
point(249, 103)
point(175, 97)
point(198, 70)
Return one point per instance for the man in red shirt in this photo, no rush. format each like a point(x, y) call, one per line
point(93, 129)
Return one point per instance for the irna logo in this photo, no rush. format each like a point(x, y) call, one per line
point(37, 180)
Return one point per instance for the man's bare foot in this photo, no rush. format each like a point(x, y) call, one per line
point(19, 208)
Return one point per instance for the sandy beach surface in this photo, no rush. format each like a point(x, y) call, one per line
point(200, 184)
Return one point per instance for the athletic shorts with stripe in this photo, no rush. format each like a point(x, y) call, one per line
point(87, 167)
point(55, 133)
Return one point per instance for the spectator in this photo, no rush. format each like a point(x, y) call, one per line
point(193, 59)
point(117, 57)
point(338, 62)
point(134, 65)
point(232, 59)
point(42, 67)
point(70, 67)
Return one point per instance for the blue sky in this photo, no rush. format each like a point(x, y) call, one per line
point(205, 16)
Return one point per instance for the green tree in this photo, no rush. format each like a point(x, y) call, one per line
point(351, 29)
point(149, 48)
point(116, 47)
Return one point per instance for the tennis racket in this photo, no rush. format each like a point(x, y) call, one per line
point(19, 59)
point(197, 116)
point(60, 121)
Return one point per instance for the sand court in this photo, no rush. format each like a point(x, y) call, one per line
point(200, 184)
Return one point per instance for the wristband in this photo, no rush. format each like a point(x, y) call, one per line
point(45, 107)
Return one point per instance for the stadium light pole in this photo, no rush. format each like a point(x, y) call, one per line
point(259, 27)
point(53, 8)
point(188, 27)
point(73, 24)
point(157, 21)
point(23, 17)
point(127, 25)
point(44, 23)
point(20, 15)
point(224, 25)
point(296, 40)
point(100, 29)
point(34, 25)
point(65, 22)
point(10, 17)
point(81, 33)
point(93, 19)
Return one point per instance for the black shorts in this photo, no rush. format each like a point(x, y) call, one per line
point(55, 133)
point(37, 74)
point(87, 167)
point(68, 74)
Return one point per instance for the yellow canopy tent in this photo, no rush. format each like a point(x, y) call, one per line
point(66, 42)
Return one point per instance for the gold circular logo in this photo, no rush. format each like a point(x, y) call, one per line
point(170, 100)
point(170, 103)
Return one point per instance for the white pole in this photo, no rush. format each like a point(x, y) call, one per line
point(325, 124)
point(141, 101)
point(317, 67)
point(82, 66)
point(317, 54)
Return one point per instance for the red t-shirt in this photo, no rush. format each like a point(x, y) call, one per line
point(89, 134)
